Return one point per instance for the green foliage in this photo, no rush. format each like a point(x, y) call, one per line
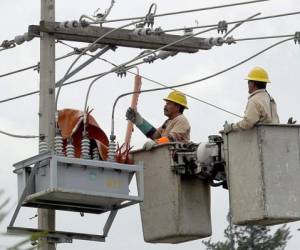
point(251, 237)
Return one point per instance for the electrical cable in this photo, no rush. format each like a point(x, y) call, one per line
point(235, 22)
point(239, 24)
point(137, 58)
point(158, 83)
point(262, 37)
point(85, 50)
point(96, 75)
point(187, 11)
point(112, 137)
point(36, 65)
point(19, 136)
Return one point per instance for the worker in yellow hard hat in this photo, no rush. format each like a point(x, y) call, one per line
point(175, 128)
point(261, 107)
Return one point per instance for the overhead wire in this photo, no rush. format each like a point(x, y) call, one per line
point(137, 58)
point(19, 136)
point(262, 38)
point(187, 11)
point(235, 22)
point(191, 82)
point(36, 65)
point(239, 24)
point(85, 50)
point(96, 75)
point(158, 83)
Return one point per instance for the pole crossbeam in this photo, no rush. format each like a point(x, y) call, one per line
point(123, 37)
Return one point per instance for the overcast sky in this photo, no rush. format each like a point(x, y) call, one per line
point(228, 90)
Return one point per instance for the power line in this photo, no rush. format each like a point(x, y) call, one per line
point(36, 66)
point(192, 82)
point(96, 75)
point(238, 21)
point(19, 136)
point(158, 83)
point(67, 83)
point(83, 52)
point(124, 66)
point(186, 11)
point(262, 37)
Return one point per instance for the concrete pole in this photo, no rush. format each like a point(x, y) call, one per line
point(46, 218)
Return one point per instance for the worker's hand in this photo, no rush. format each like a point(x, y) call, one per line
point(134, 116)
point(291, 121)
point(227, 127)
point(149, 145)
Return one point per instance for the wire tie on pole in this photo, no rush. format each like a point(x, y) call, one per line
point(230, 40)
point(149, 19)
point(38, 67)
point(188, 31)
point(6, 44)
point(222, 27)
point(121, 71)
point(297, 37)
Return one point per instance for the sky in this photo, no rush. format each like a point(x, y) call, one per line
point(228, 91)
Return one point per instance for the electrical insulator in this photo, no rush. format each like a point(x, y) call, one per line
point(165, 54)
point(22, 38)
point(142, 31)
point(96, 154)
point(58, 145)
point(188, 31)
point(43, 146)
point(70, 24)
point(19, 39)
point(150, 59)
point(112, 151)
point(213, 41)
point(85, 148)
point(70, 150)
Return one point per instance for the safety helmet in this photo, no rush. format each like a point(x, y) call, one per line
point(177, 97)
point(258, 74)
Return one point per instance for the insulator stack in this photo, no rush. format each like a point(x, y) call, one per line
point(43, 146)
point(70, 150)
point(96, 154)
point(85, 148)
point(112, 151)
point(58, 145)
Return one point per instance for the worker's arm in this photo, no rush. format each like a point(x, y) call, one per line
point(146, 128)
point(252, 116)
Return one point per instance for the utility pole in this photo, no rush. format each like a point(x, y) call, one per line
point(46, 218)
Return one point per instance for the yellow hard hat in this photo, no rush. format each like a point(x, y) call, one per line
point(258, 74)
point(177, 97)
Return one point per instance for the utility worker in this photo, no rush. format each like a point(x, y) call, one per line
point(261, 107)
point(175, 128)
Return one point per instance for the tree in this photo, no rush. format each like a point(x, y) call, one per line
point(251, 237)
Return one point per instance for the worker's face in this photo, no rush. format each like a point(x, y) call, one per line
point(171, 109)
point(251, 87)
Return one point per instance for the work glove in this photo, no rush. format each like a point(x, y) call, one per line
point(149, 145)
point(134, 116)
point(146, 128)
point(291, 121)
point(227, 127)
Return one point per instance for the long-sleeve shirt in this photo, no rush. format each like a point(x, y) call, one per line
point(261, 108)
point(176, 129)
